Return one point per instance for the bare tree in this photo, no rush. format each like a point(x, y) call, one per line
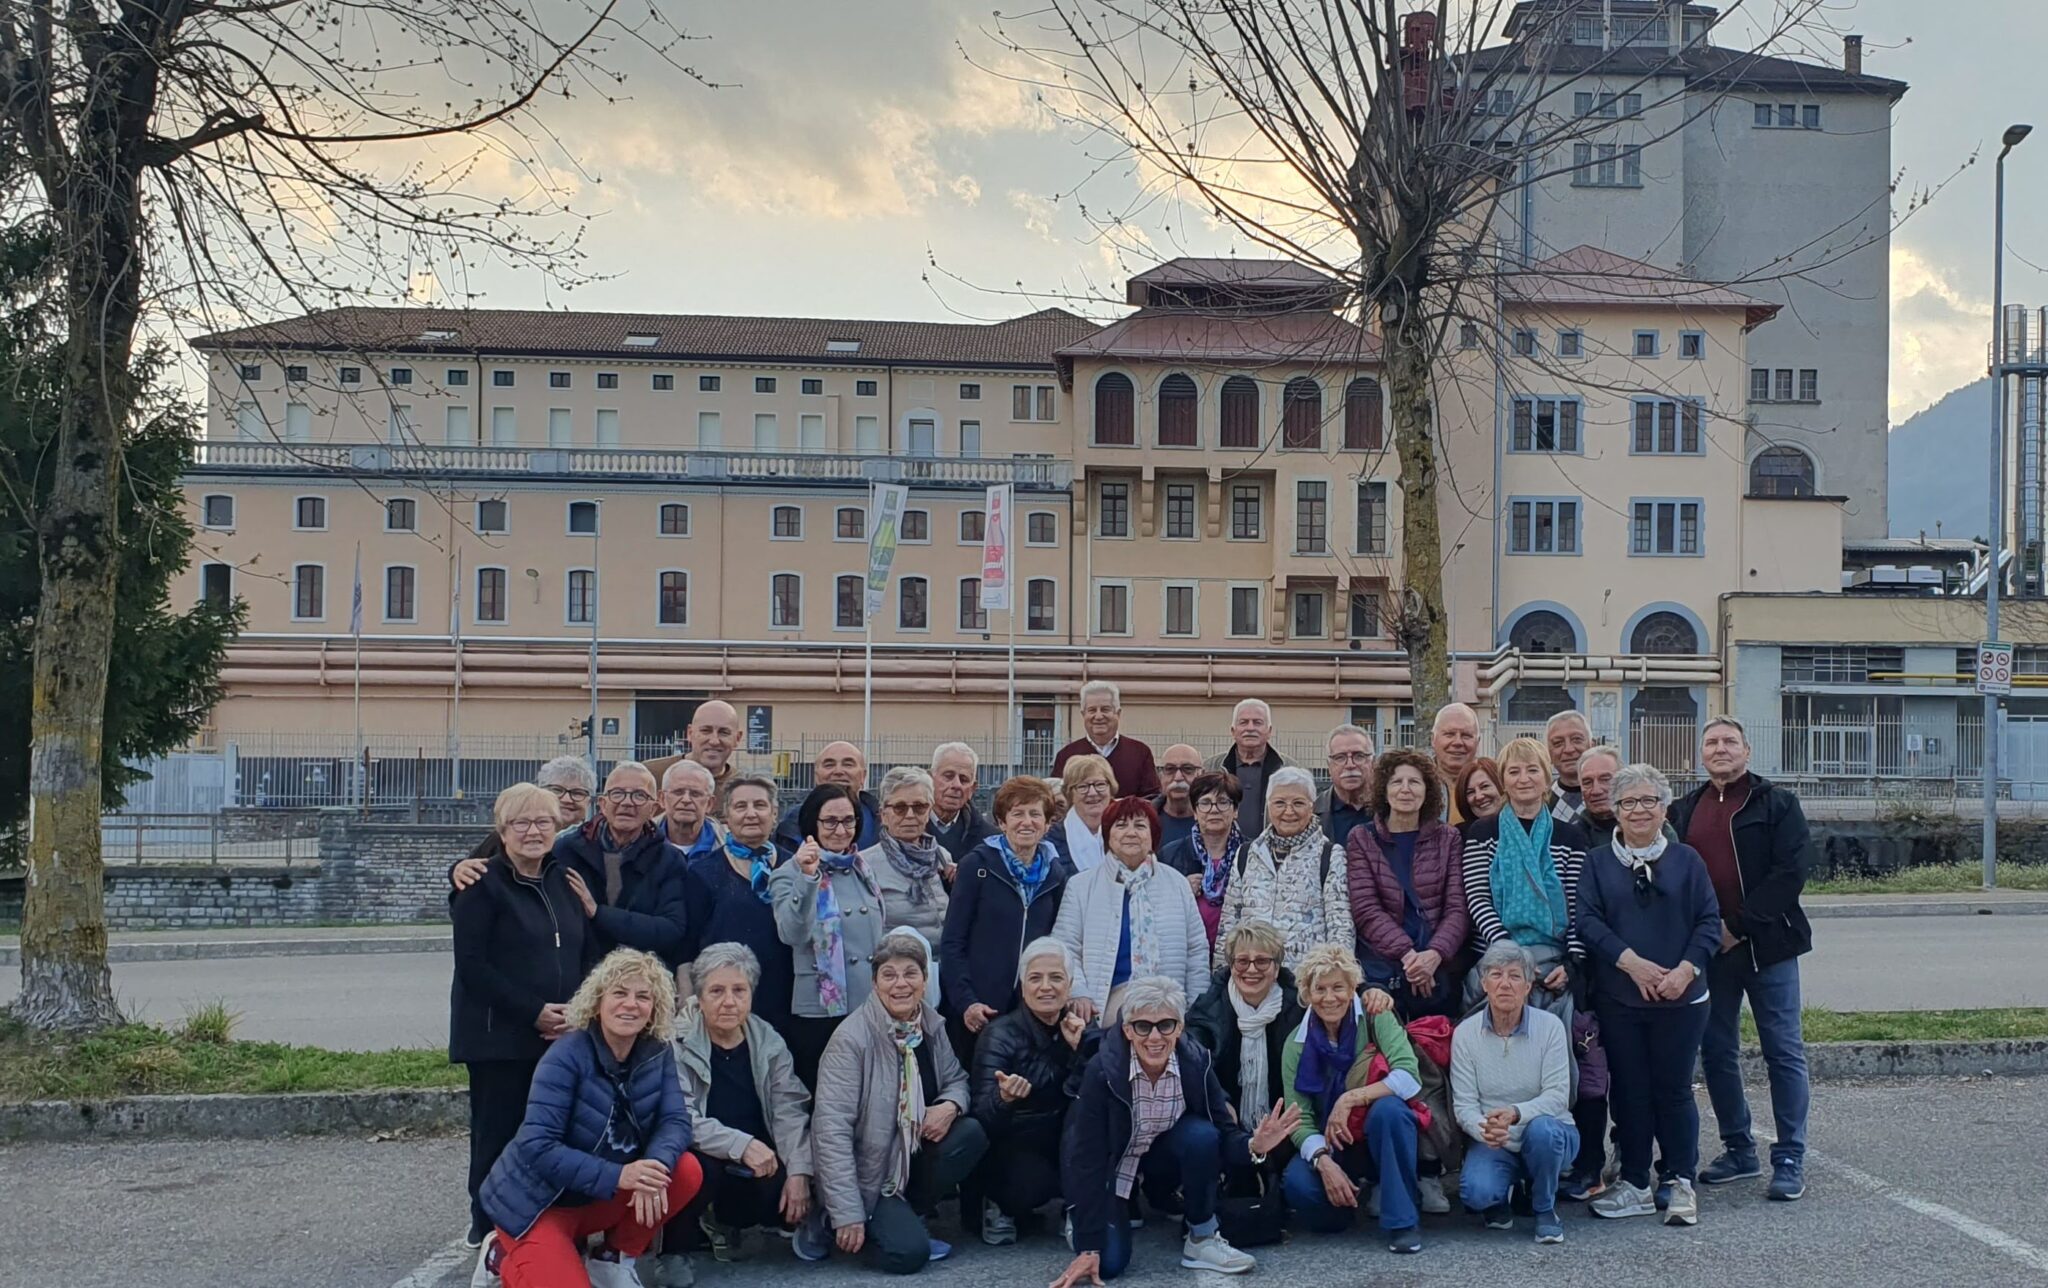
point(214, 159)
point(1380, 143)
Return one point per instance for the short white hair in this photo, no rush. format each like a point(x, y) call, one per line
point(1607, 749)
point(1641, 774)
point(725, 956)
point(1460, 708)
point(1260, 703)
point(1047, 946)
point(945, 749)
point(681, 767)
point(1344, 729)
point(1566, 716)
point(1156, 993)
point(1116, 695)
point(1292, 776)
point(904, 776)
point(567, 771)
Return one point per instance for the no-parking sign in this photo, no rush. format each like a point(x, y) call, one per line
point(1994, 668)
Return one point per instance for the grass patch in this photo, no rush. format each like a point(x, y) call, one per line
point(200, 1057)
point(1936, 878)
point(1917, 1026)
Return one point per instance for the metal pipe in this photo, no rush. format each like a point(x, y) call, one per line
point(2013, 135)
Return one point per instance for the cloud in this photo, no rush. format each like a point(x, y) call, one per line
point(1038, 213)
point(1938, 333)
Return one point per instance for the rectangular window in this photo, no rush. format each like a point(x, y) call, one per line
point(1809, 116)
point(295, 375)
point(1543, 527)
point(607, 380)
point(493, 516)
point(924, 438)
point(309, 592)
point(401, 375)
point(1040, 603)
point(867, 435)
point(970, 393)
point(785, 601)
point(675, 520)
point(764, 384)
point(1545, 425)
point(501, 379)
point(810, 433)
point(400, 428)
point(1764, 117)
point(216, 584)
point(1247, 522)
point(401, 514)
point(1759, 384)
point(864, 388)
point(973, 527)
point(1781, 388)
point(1114, 512)
point(1365, 614)
point(786, 522)
point(707, 384)
point(916, 528)
point(1244, 610)
point(1647, 343)
point(1692, 345)
point(1180, 512)
point(456, 377)
point(664, 382)
point(1308, 615)
point(673, 599)
point(851, 524)
point(456, 429)
point(1113, 609)
point(217, 512)
point(812, 385)
point(1525, 343)
point(849, 602)
point(1031, 402)
point(607, 424)
point(1041, 528)
point(1180, 610)
point(1664, 528)
point(582, 520)
point(710, 431)
point(490, 594)
point(1311, 517)
point(558, 380)
point(973, 617)
point(398, 594)
point(561, 427)
point(309, 514)
point(298, 422)
point(1571, 344)
point(1372, 518)
point(351, 375)
point(1667, 427)
point(1468, 335)
point(767, 435)
point(582, 605)
point(1788, 115)
point(913, 604)
point(970, 439)
point(249, 426)
point(1809, 385)
point(504, 426)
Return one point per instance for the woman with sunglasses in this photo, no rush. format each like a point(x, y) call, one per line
point(828, 909)
point(1650, 923)
point(912, 868)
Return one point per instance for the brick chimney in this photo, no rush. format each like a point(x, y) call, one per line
point(1852, 55)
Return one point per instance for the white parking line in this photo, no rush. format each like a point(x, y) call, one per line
point(1990, 1236)
point(429, 1273)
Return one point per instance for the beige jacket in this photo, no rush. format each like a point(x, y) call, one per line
point(784, 1101)
point(854, 1141)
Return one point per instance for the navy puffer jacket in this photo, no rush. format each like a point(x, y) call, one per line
point(560, 1148)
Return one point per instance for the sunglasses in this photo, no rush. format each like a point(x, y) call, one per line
point(1146, 1028)
point(904, 809)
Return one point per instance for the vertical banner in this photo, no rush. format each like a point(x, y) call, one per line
point(355, 598)
point(885, 516)
point(995, 549)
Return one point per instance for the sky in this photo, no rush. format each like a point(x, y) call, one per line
point(855, 163)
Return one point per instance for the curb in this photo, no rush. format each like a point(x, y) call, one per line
point(213, 950)
point(444, 1111)
point(1933, 908)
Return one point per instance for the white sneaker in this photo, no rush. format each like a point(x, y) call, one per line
point(607, 1273)
point(1429, 1195)
point(483, 1276)
point(1215, 1253)
point(1684, 1206)
point(997, 1229)
point(1623, 1199)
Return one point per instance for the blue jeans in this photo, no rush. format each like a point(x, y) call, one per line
point(1189, 1156)
point(1548, 1146)
point(1773, 996)
point(1651, 1053)
point(1386, 1155)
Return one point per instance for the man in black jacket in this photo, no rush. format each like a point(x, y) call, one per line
point(955, 823)
point(628, 876)
point(1752, 834)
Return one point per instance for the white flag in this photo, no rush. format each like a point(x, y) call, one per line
point(995, 549)
point(885, 515)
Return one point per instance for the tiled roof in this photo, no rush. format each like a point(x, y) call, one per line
point(1027, 341)
point(1226, 271)
point(1253, 339)
point(1587, 275)
point(1707, 66)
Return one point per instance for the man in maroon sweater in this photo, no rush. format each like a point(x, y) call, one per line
point(1102, 715)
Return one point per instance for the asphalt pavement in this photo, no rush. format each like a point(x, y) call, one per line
point(1910, 1183)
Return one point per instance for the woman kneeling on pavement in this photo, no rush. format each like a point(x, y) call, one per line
point(750, 1117)
point(605, 1146)
point(1150, 1107)
point(890, 1133)
point(1349, 1071)
point(1021, 1068)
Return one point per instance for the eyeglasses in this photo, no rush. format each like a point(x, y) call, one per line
point(1182, 771)
point(1215, 804)
point(1146, 1028)
point(1254, 963)
point(575, 795)
point(1637, 805)
point(835, 824)
point(904, 809)
point(1093, 789)
point(1349, 757)
point(525, 825)
point(628, 796)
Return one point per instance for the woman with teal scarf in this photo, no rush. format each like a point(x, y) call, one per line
point(1522, 868)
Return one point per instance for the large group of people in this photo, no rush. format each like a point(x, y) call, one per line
point(1152, 988)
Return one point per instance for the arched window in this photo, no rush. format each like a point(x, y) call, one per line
point(1115, 415)
point(1177, 402)
point(1664, 633)
point(1781, 471)
point(1240, 427)
point(1364, 409)
point(1544, 632)
point(1301, 415)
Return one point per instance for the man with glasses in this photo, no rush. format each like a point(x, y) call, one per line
point(841, 763)
point(1102, 716)
point(629, 879)
point(687, 790)
point(1347, 802)
point(1177, 774)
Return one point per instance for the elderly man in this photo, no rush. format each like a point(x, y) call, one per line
point(1597, 766)
point(1252, 760)
point(955, 823)
point(714, 737)
point(687, 791)
point(1178, 770)
point(1752, 834)
point(628, 878)
point(1347, 802)
point(1102, 715)
point(1511, 1077)
point(1453, 742)
point(841, 763)
point(1566, 736)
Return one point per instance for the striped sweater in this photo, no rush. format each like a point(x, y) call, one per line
point(1482, 838)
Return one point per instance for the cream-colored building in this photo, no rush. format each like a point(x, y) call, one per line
point(1206, 509)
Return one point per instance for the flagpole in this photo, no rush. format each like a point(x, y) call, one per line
point(455, 634)
point(1016, 723)
point(867, 686)
point(359, 773)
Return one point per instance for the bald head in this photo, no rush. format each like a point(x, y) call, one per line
point(714, 734)
point(1178, 767)
point(1454, 739)
point(842, 763)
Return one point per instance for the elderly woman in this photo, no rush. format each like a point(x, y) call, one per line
point(890, 1134)
point(1292, 875)
point(1407, 889)
point(604, 1150)
point(1349, 1071)
point(1008, 892)
point(749, 1115)
point(1022, 1065)
point(1478, 793)
point(1522, 873)
point(1088, 785)
point(1126, 919)
point(1651, 923)
point(1209, 854)
point(1150, 1108)
point(910, 866)
point(573, 784)
point(1243, 1021)
point(828, 909)
point(520, 951)
point(729, 899)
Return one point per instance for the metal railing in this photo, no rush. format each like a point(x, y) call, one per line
point(219, 838)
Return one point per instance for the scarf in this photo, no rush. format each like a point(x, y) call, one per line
point(1283, 848)
point(1084, 848)
point(1639, 861)
point(1028, 879)
point(760, 861)
point(909, 1097)
point(1138, 902)
point(917, 862)
point(1326, 1061)
point(828, 946)
point(1254, 1075)
point(1523, 880)
point(1216, 871)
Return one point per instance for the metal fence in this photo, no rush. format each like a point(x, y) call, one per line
point(221, 839)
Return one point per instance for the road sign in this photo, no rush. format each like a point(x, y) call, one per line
point(1994, 669)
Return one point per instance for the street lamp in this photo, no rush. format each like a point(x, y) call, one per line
point(2014, 135)
point(596, 598)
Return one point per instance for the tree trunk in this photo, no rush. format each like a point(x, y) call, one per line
point(1421, 623)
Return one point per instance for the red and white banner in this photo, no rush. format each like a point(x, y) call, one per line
point(995, 549)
